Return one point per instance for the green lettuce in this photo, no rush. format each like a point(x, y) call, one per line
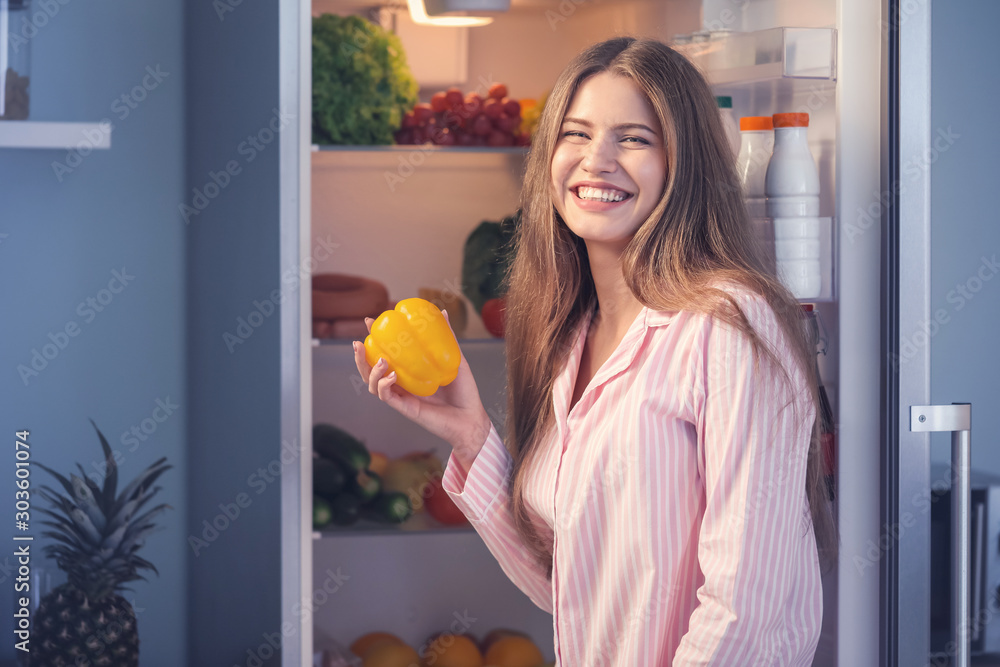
point(361, 84)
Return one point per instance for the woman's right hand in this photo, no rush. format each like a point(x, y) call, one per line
point(454, 412)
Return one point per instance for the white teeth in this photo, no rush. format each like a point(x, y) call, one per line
point(584, 192)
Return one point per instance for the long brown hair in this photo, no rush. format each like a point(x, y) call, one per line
point(698, 233)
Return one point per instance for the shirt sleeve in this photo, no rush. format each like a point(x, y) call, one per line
point(756, 548)
point(483, 495)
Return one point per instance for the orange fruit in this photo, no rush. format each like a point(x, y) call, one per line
point(367, 642)
point(449, 650)
point(513, 651)
point(378, 463)
point(390, 655)
point(496, 634)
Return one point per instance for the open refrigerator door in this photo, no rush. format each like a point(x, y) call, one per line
point(403, 214)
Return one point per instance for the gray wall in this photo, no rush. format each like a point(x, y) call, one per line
point(965, 226)
point(116, 210)
point(160, 338)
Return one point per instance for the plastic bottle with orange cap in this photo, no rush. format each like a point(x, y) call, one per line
point(756, 144)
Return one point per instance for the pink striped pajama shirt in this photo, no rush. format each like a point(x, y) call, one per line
point(673, 499)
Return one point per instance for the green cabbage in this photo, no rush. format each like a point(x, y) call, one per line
point(361, 84)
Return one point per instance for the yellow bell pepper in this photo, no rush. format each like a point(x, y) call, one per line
point(417, 343)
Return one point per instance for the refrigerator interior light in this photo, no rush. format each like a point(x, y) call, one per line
point(418, 13)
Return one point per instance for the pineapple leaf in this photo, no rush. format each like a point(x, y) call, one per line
point(124, 515)
point(62, 480)
point(91, 484)
point(85, 526)
point(112, 540)
point(62, 537)
point(60, 523)
point(86, 501)
point(145, 518)
point(60, 502)
point(111, 469)
point(146, 477)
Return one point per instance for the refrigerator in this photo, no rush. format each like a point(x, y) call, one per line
point(402, 214)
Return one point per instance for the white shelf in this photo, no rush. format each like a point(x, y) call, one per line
point(419, 524)
point(44, 134)
point(767, 55)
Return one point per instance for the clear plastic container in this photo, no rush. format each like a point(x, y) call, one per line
point(16, 32)
point(756, 144)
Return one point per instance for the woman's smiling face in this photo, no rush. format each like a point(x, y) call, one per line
point(609, 164)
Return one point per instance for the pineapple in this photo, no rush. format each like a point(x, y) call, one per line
point(97, 534)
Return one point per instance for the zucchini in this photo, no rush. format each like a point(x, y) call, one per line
point(328, 477)
point(365, 485)
point(391, 507)
point(345, 509)
point(339, 445)
point(322, 513)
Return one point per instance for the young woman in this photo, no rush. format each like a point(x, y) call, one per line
point(660, 488)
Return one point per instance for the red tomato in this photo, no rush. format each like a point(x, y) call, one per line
point(493, 316)
point(423, 113)
point(440, 506)
point(482, 126)
point(453, 98)
point(498, 91)
point(443, 137)
point(472, 107)
point(507, 123)
point(439, 102)
point(512, 108)
point(493, 108)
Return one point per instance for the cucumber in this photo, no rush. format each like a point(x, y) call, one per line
point(322, 512)
point(328, 477)
point(390, 507)
point(365, 485)
point(339, 445)
point(345, 509)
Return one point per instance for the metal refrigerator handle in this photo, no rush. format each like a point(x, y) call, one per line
point(956, 418)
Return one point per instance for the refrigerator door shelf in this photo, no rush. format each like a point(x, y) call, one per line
point(767, 55)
